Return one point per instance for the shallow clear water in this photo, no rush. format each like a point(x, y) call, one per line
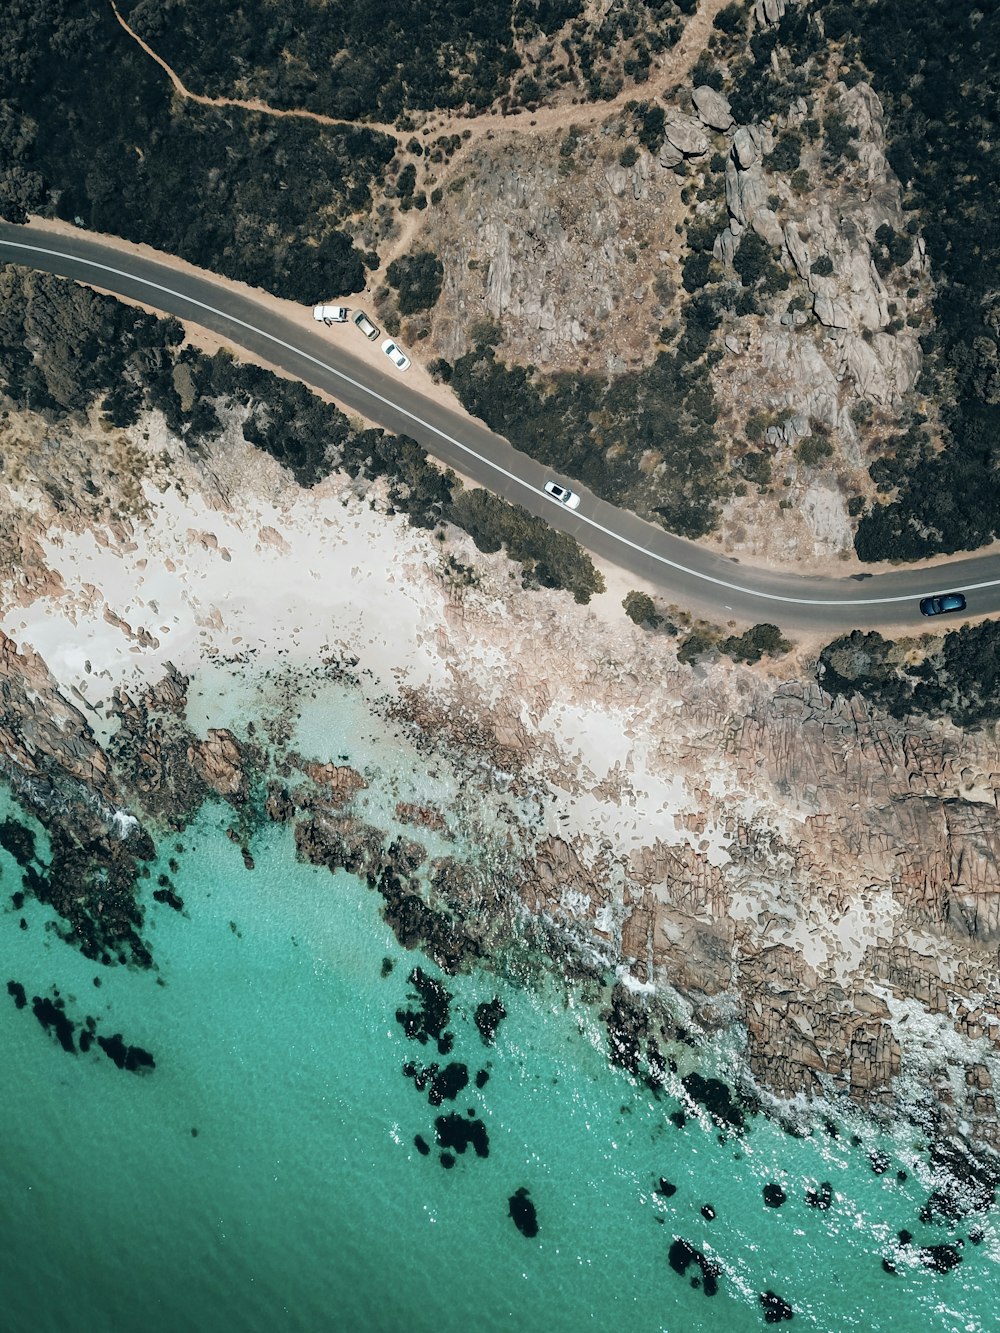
point(302, 1202)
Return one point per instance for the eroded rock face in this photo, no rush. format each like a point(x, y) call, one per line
point(38, 724)
point(828, 243)
point(543, 240)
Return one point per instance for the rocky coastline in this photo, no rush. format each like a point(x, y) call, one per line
point(747, 877)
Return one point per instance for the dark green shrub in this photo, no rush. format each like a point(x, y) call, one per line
point(786, 153)
point(417, 279)
point(640, 607)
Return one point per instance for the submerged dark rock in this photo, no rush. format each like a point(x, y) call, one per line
point(717, 1099)
point(522, 1211)
point(455, 1132)
point(132, 1058)
point(444, 1084)
point(939, 1258)
point(683, 1254)
point(421, 1145)
point(665, 1189)
point(168, 896)
point(970, 1185)
point(52, 1016)
point(774, 1195)
point(628, 1027)
point(488, 1017)
point(708, 1212)
point(17, 839)
point(482, 1078)
point(447, 1160)
point(775, 1309)
point(16, 991)
point(417, 925)
point(820, 1198)
point(429, 1021)
point(879, 1162)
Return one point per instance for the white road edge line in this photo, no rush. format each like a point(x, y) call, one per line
point(511, 476)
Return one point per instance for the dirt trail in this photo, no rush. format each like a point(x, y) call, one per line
point(252, 104)
point(674, 64)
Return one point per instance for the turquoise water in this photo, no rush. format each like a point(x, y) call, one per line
point(302, 1203)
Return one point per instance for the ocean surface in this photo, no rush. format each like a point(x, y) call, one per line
point(265, 1174)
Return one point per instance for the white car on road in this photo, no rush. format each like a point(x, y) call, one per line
point(397, 358)
point(561, 495)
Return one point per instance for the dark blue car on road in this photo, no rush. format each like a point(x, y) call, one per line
point(943, 604)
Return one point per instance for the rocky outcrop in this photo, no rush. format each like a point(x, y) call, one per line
point(219, 762)
point(544, 241)
point(340, 783)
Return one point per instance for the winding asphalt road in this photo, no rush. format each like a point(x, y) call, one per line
point(686, 574)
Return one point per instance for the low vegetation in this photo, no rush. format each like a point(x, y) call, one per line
point(64, 349)
point(417, 279)
point(937, 68)
point(702, 639)
point(955, 677)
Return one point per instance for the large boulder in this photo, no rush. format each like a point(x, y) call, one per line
point(670, 156)
point(746, 191)
point(765, 223)
point(725, 248)
point(797, 250)
point(885, 369)
point(687, 135)
point(713, 109)
point(768, 11)
point(746, 147)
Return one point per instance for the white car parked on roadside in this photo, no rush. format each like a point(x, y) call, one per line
point(561, 495)
point(397, 358)
point(331, 314)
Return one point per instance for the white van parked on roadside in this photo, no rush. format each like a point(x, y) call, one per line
point(331, 314)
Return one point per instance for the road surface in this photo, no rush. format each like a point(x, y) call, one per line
point(723, 588)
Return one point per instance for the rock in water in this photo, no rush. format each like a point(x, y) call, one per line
point(820, 1198)
point(775, 1309)
point(682, 1254)
point(489, 1016)
point(774, 1195)
point(522, 1210)
point(940, 1258)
